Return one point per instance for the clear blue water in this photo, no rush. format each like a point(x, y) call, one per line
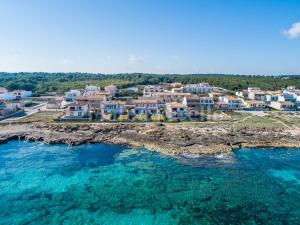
point(107, 184)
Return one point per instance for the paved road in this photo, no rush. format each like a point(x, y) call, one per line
point(28, 111)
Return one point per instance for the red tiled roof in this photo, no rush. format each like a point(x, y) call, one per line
point(91, 97)
point(287, 103)
point(144, 101)
point(113, 102)
point(77, 104)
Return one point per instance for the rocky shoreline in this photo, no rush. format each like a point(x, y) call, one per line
point(171, 139)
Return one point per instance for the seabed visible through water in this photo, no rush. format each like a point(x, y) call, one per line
point(110, 184)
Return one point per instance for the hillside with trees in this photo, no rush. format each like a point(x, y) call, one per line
point(61, 82)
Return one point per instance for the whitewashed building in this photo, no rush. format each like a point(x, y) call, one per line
point(112, 89)
point(291, 94)
point(202, 88)
point(12, 95)
point(242, 94)
point(206, 103)
point(176, 111)
point(283, 106)
point(167, 97)
point(133, 89)
point(255, 105)
point(112, 107)
point(6, 96)
point(192, 101)
point(257, 95)
point(71, 95)
point(149, 89)
point(91, 90)
point(22, 94)
point(77, 110)
point(145, 106)
point(229, 103)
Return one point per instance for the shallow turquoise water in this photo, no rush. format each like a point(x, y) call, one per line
point(107, 184)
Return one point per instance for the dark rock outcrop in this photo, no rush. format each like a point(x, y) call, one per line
point(166, 138)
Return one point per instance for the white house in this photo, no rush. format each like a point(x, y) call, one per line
point(112, 107)
point(229, 103)
point(93, 101)
point(77, 110)
point(71, 95)
point(202, 88)
point(91, 90)
point(291, 93)
point(3, 90)
point(22, 94)
point(112, 89)
point(283, 106)
point(6, 96)
point(191, 101)
point(149, 89)
point(256, 105)
point(287, 98)
point(145, 106)
point(206, 103)
point(298, 101)
point(6, 109)
point(167, 97)
point(12, 95)
point(271, 97)
point(257, 95)
point(176, 111)
point(242, 94)
point(133, 89)
point(198, 103)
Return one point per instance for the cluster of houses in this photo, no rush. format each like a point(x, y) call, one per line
point(284, 100)
point(8, 108)
point(6, 95)
point(12, 101)
point(173, 102)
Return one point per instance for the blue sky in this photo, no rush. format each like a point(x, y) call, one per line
point(156, 36)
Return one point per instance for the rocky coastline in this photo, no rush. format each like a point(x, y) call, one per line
point(171, 139)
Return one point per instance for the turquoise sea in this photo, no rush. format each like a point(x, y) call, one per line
point(110, 184)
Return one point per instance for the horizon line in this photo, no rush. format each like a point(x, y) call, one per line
point(145, 73)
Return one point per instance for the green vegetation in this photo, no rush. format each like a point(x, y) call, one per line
point(61, 82)
point(43, 116)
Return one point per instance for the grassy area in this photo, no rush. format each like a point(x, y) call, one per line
point(259, 122)
point(235, 119)
point(43, 116)
point(236, 116)
point(290, 119)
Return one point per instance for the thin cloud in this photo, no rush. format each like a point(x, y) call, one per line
point(293, 32)
point(65, 62)
point(134, 59)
